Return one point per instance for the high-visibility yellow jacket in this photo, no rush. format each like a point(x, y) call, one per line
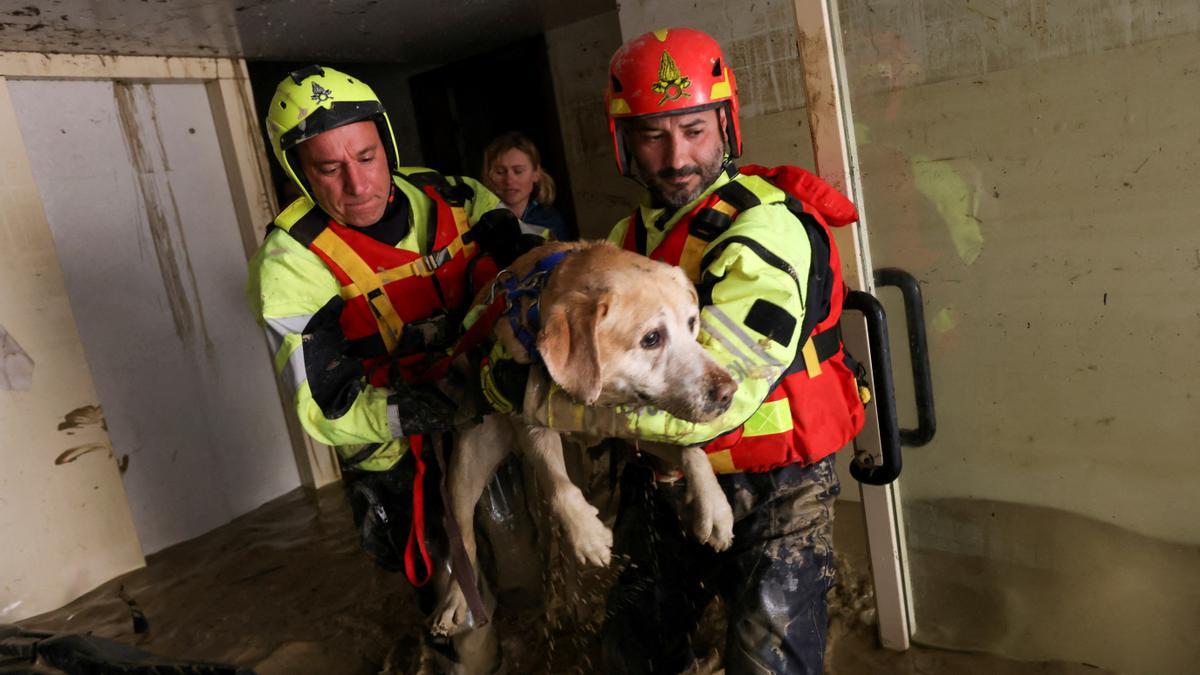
point(739, 276)
point(288, 289)
point(743, 276)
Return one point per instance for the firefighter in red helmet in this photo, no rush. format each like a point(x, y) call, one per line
point(756, 243)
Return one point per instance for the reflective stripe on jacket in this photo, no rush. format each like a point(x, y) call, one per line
point(335, 329)
point(755, 258)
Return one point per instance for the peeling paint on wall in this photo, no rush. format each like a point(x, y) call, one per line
point(16, 366)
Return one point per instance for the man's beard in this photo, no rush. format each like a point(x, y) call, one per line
point(662, 194)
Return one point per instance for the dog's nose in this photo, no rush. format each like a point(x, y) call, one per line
point(720, 392)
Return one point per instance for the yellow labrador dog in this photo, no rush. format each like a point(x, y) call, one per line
point(616, 329)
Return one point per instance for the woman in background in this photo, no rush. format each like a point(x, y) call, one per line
point(512, 168)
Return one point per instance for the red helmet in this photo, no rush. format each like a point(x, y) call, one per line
point(666, 72)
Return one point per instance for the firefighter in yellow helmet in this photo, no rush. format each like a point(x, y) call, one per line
point(361, 282)
point(756, 243)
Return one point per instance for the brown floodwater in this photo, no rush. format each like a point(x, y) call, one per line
point(285, 589)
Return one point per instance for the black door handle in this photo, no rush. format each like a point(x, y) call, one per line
point(885, 393)
point(918, 349)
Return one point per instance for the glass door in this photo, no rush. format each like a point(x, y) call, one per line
point(1034, 166)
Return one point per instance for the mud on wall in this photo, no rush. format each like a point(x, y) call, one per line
point(67, 525)
point(133, 170)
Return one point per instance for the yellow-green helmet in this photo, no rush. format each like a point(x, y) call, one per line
point(315, 99)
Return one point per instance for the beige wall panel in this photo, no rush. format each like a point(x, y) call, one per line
point(579, 55)
point(67, 525)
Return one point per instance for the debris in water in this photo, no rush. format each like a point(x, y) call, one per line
point(141, 624)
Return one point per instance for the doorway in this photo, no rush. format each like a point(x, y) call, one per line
point(462, 106)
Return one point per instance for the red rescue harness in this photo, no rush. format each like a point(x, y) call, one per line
point(387, 289)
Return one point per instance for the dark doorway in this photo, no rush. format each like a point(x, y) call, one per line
point(462, 106)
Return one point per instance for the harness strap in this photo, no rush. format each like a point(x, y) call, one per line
point(472, 338)
point(820, 348)
point(738, 195)
point(460, 562)
point(416, 534)
point(364, 453)
point(455, 194)
point(525, 326)
point(367, 282)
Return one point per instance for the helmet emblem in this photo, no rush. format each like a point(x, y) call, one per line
point(320, 94)
point(671, 83)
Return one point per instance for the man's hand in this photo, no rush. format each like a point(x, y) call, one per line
point(421, 408)
point(547, 405)
point(498, 233)
point(503, 382)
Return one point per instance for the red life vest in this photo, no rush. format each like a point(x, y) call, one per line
point(387, 288)
point(821, 386)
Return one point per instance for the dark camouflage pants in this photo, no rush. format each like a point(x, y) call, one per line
point(772, 581)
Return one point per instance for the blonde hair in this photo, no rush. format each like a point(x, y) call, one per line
point(543, 190)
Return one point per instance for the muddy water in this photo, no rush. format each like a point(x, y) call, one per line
point(285, 590)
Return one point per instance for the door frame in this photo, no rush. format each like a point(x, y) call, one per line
point(246, 166)
point(830, 118)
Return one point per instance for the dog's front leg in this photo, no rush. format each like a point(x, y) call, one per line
point(712, 517)
point(586, 534)
point(477, 453)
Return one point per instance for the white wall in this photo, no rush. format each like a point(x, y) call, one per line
point(137, 198)
point(65, 527)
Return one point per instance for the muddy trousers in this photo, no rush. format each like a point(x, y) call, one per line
point(772, 581)
point(508, 540)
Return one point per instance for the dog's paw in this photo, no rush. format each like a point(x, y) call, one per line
point(451, 614)
point(712, 519)
point(587, 536)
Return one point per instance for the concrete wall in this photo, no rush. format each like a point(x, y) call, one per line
point(579, 55)
point(761, 46)
point(759, 40)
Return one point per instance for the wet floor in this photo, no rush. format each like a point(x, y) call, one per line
point(285, 589)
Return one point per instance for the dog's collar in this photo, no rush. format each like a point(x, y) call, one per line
point(525, 317)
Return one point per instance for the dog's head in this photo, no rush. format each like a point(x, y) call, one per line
point(619, 328)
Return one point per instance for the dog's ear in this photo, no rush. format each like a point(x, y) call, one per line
point(568, 344)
